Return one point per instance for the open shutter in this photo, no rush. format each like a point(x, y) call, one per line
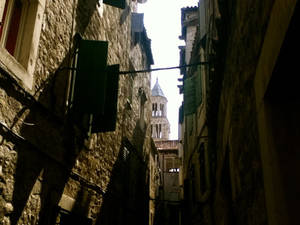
point(88, 83)
point(107, 121)
point(189, 96)
point(89, 87)
point(116, 3)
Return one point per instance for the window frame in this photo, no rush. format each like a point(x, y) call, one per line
point(21, 65)
point(2, 9)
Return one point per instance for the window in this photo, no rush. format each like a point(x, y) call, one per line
point(137, 27)
point(159, 131)
point(156, 131)
point(162, 110)
point(172, 165)
point(154, 109)
point(11, 18)
point(169, 164)
point(20, 27)
point(174, 170)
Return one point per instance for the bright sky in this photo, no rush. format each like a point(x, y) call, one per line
point(162, 20)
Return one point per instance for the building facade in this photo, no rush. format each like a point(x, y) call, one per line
point(75, 137)
point(193, 124)
point(167, 207)
point(155, 183)
point(168, 201)
point(239, 144)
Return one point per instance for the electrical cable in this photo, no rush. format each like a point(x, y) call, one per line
point(165, 68)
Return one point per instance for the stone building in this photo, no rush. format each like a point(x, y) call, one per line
point(167, 207)
point(249, 133)
point(75, 139)
point(192, 123)
point(168, 204)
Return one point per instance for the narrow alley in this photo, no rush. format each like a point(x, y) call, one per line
point(85, 137)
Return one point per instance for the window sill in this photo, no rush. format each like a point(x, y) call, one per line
point(11, 66)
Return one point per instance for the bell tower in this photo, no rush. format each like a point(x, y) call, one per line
point(160, 126)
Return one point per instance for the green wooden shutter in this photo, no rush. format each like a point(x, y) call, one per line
point(116, 3)
point(198, 87)
point(189, 96)
point(90, 81)
point(107, 121)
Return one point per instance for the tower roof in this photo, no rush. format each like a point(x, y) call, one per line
point(156, 90)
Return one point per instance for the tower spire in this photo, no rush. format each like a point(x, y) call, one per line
point(156, 90)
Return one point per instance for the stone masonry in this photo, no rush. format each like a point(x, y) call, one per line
point(46, 162)
point(245, 171)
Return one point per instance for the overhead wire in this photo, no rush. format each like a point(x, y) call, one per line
point(164, 68)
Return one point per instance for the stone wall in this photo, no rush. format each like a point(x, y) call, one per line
point(155, 182)
point(240, 196)
point(240, 149)
point(195, 171)
point(45, 160)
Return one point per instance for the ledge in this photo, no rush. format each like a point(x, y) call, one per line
point(11, 66)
